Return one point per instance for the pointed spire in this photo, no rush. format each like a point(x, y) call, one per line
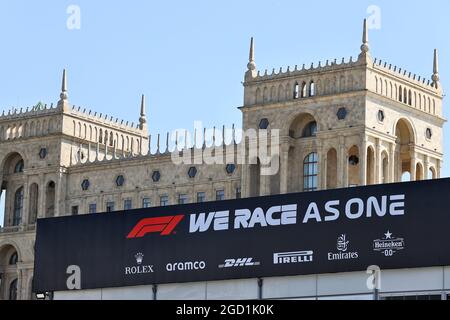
point(435, 76)
point(365, 55)
point(64, 82)
point(365, 38)
point(251, 66)
point(251, 58)
point(63, 103)
point(142, 118)
point(158, 147)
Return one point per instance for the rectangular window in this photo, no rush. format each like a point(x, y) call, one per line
point(201, 197)
point(220, 195)
point(238, 193)
point(146, 203)
point(74, 210)
point(93, 208)
point(127, 204)
point(110, 206)
point(164, 201)
point(183, 199)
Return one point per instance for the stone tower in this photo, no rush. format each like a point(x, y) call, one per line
point(345, 123)
point(36, 151)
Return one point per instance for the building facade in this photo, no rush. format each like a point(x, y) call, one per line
point(341, 124)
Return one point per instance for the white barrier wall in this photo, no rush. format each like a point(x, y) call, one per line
point(350, 286)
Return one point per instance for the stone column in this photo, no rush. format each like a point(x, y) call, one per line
point(363, 162)
point(391, 162)
point(25, 206)
point(245, 184)
point(413, 165)
point(413, 169)
point(60, 194)
point(41, 195)
point(399, 166)
point(263, 184)
point(378, 163)
point(438, 168)
point(19, 281)
point(342, 163)
point(323, 160)
point(284, 164)
point(426, 167)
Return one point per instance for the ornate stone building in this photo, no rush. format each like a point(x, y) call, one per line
point(347, 123)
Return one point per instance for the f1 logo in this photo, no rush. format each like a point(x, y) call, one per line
point(162, 225)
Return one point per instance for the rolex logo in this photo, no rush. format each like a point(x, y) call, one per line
point(139, 258)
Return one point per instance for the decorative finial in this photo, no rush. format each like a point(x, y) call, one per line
point(251, 66)
point(142, 118)
point(251, 58)
point(365, 38)
point(435, 76)
point(63, 103)
point(365, 55)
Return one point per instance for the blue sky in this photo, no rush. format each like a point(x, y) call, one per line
point(189, 57)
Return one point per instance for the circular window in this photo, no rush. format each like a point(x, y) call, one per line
point(192, 172)
point(156, 176)
point(429, 133)
point(381, 116)
point(120, 180)
point(353, 160)
point(230, 168)
point(85, 184)
point(43, 153)
point(341, 114)
point(264, 124)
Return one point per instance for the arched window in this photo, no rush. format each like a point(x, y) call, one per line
point(100, 137)
point(19, 166)
point(406, 176)
point(13, 259)
point(310, 172)
point(13, 290)
point(50, 199)
point(432, 173)
point(18, 207)
point(296, 91)
point(400, 94)
point(410, 98)
point(258, 96)
point(310, 130)
point(111, 139)
point(304, 90)
point(312, 89)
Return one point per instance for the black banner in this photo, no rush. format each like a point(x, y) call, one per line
point(403, 225)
